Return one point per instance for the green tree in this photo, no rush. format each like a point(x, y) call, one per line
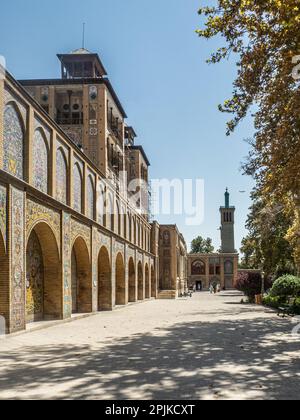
point(266, 246)
point(202, 246)
point(264, 37)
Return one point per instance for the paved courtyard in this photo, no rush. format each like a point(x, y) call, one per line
point(207, 347)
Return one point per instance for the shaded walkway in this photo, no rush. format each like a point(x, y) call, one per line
point(224, 351)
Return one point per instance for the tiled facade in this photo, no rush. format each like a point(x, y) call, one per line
point(13, 141)
point(51, 208)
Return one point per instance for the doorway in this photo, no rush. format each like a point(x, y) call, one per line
point(199, 286)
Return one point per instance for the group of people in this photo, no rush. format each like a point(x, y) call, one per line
point(214, 288)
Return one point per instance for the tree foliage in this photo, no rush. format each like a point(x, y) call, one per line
point(286, 286)
point(265, 37)
point(202, 246)
point(266, 246)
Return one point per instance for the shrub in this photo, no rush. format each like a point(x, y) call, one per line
point(286, 286)
point(250, 283)
point(297, 306)
point(274, 301)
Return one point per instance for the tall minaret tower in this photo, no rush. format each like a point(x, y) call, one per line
point(227, 226)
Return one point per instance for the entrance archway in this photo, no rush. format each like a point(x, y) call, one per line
point(140, 282)
point(153, 283)
point(43, 279)
point(147, 282)
point(81, 278)
point(120, 281)
point(104, 281)
point(199, 286)
point(131, 281)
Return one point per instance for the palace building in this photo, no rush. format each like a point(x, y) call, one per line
point(75, 230)
point(76, 235)
point(217, 268)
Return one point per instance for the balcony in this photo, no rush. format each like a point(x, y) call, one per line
point(116, 128)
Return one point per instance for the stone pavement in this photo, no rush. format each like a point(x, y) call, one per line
point(207, 347)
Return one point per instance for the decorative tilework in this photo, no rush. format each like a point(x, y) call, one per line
point(105, 241)
point(77, 229)
point(90, 198)
point(67, 265)
point(77, 187)
point(119, 248)
point(130, 252)
point(37, 213)
point(38, 125)
point(40, 162)
point(13, 142)
point(34, 280)
point(100, 203)
point(17, 260)
point(61, 177)
point(8, 97)
point(3, 212)
point(140, 257)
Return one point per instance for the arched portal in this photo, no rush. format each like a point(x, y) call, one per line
point(147, 282)
point(44, 279)
point(140, 282)
point(131, 281)
point(120, 281)
point(153, 283)
point(81, 278)
point(104, 281)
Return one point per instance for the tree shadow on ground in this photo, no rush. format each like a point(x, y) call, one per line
point(249, 358)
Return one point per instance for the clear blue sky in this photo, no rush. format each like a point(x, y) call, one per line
point(157, 65)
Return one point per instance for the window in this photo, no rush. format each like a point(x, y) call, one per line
point(198, 268)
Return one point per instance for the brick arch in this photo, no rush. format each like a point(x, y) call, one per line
point(45, 264)
point(120, 280)
point(147, 282)
point(104, 280)
point(39, 220)
point(131, 280)
point(140, 281)
point(79, 236)
point(81, 277)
